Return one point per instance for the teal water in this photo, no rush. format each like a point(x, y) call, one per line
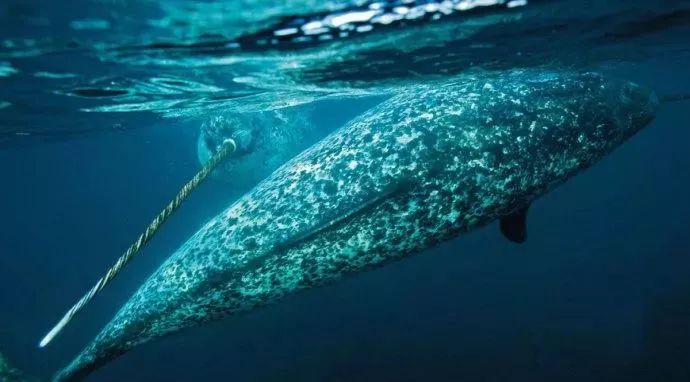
point(101, 105)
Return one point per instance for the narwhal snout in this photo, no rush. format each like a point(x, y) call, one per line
point(637, 108)
point(217, 130)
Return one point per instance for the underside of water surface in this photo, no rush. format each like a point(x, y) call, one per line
point(179, 59)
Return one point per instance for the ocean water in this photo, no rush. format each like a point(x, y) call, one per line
point(101, 108)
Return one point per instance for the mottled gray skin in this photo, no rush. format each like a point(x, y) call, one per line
point(430, 163)
point(265, 140)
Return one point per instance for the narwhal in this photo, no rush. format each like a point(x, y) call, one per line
point(430, 163)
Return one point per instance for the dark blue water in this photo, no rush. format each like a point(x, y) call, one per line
point(599, 292)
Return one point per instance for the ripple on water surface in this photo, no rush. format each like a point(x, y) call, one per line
point(6, 69)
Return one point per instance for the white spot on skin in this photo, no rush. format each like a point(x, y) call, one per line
point(404, 139)
point(453, 216)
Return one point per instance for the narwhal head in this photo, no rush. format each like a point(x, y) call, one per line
point(611, 111)
point(265, 140)
point(242, 129)
point(569, 122)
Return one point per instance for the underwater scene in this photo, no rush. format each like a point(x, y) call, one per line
point(345, 190)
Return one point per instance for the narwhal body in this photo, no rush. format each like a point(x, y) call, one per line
point(426, 165)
